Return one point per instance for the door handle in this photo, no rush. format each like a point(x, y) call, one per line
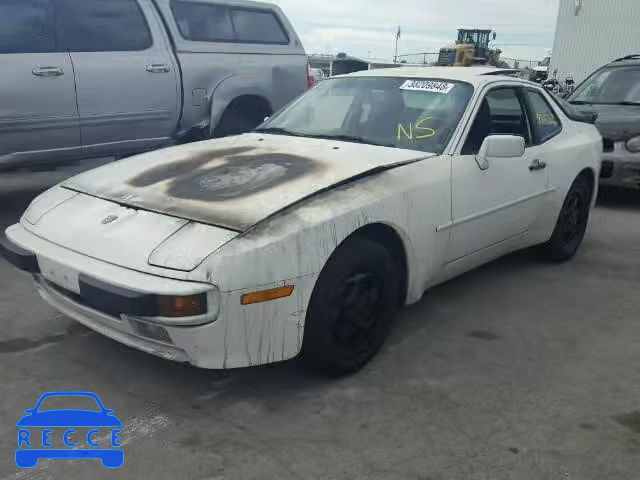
point(48, 71)
point(158, 68)
point(537, 165)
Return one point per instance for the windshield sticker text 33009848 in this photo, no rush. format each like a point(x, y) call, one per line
point(427, 86)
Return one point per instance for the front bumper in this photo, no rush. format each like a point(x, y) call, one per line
point(620, 167)
point(240, 336)
point(158, 343)
point(18, 257)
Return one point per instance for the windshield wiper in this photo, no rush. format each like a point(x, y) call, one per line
point(350, 138)
point(277, 131)
point(624, 102)
point(343, 138)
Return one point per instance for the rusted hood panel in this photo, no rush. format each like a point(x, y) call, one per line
point(235, 182)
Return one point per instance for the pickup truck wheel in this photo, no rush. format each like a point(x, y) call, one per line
point(351, 308)
point(241, 116)
point(233, 123)
point(572, 223)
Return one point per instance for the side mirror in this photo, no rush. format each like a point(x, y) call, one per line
point(266, 118)
point(499, 146)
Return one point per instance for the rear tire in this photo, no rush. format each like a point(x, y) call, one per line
point(572, 223)
point(233, 123)
point(241, 117)
point(351, 308)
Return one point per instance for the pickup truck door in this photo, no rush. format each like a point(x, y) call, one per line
point(493, 207)
point(38, 113)
point(126, 75)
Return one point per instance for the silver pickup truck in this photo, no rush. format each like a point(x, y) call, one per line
point(110, 78)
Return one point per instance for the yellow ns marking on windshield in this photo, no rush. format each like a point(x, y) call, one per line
point(431, 131)
point(426, 132)
point(401, 131)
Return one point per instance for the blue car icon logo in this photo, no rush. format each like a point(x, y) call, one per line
point(84, 434)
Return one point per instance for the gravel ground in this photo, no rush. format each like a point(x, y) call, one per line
point(520, 370)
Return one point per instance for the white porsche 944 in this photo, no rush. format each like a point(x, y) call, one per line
point(306, 235)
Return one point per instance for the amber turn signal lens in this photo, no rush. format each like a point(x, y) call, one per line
point(267, 295)
point(182, 306)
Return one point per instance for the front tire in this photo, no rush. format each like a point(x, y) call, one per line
point(351, 308)
point(572, 223)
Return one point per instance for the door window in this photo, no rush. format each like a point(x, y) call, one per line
point(26, 26)
point(544, 121)
point(501, 113)
point(102, 26)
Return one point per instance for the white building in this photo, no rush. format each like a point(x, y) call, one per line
point(592, 33)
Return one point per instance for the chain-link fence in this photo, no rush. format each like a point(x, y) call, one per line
point(431, 58)
point(519, 63)
point(424, 58)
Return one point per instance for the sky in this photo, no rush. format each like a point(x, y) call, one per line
point(367, 28)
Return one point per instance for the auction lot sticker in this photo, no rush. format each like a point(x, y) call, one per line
point(427, 86)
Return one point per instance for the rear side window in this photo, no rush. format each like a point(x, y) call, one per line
point(102, 26)
point(544, 121)
point(254, 26)
point(206, 22)
point(26, 26)
point(201, 22)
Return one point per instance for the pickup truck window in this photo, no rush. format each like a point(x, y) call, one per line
point(205, 22)
point(26, 26)
point(102, 26)
point(202, 22)
point(254, 26)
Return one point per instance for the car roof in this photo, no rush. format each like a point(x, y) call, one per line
point(629, 60)
point(475, 75)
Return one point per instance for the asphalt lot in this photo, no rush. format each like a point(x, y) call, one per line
point(520, 370)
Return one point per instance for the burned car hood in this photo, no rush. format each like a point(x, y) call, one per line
point(616, 122)
point(235, 182)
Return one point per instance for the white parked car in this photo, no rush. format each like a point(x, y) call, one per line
point(308, 234)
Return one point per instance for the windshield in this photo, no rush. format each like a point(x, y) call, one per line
point(546, 62)
point(610, 86)
point(394, 112)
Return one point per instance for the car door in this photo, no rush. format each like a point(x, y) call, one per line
point(38, 113)
point(547, 148)
point(493, 207)
point(126, 75)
